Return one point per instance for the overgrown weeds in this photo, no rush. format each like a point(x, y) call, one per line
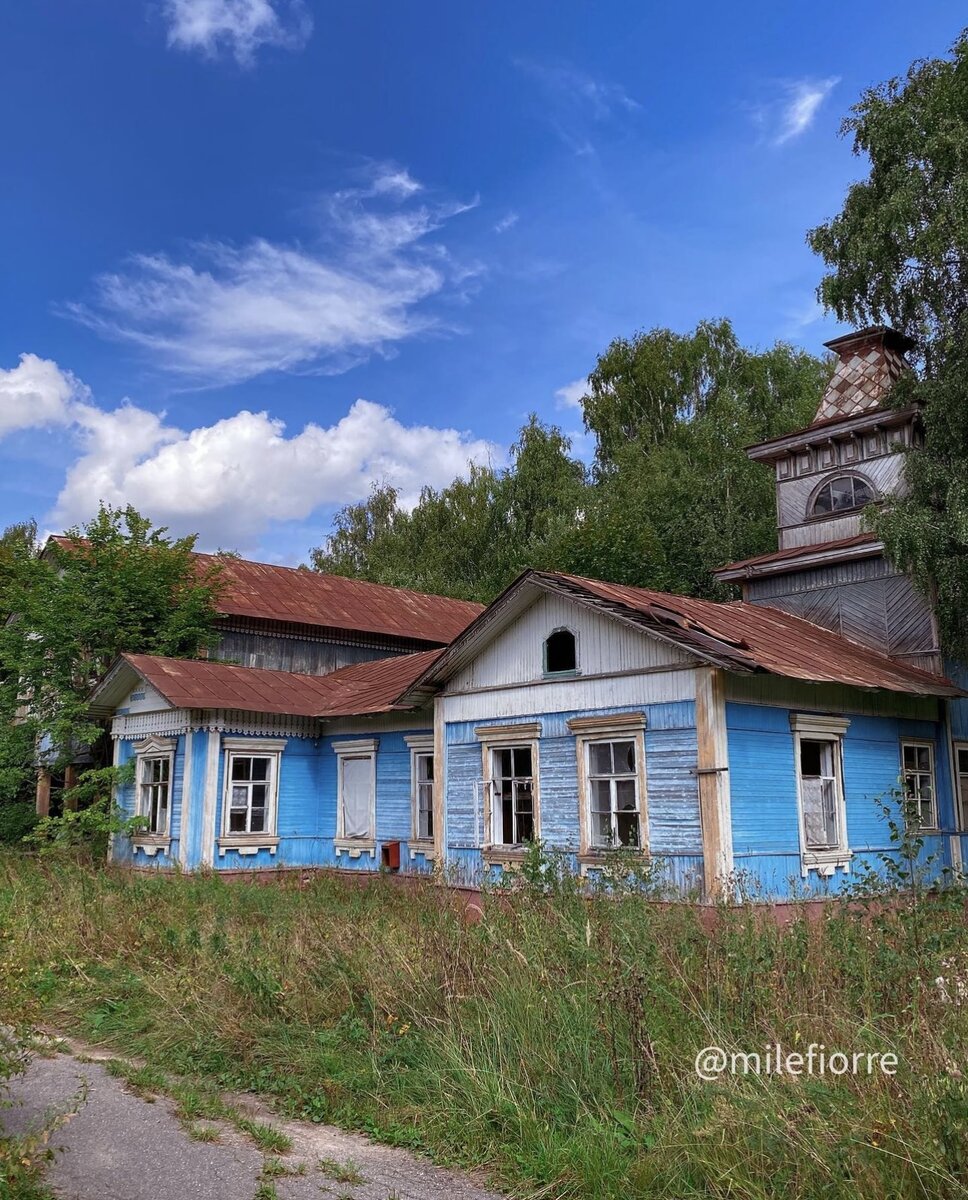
point(552, 1043)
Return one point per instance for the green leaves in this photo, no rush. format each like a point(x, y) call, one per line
point(672, 494)
point(119, 586)
point(898, 252)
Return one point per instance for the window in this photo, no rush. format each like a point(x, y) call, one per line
point(613, 794)
point(819, 793)
point(356, 814)
point(424, 787)
point(154, 783)
point(961, 765)
point(250, 793)
point(818, 750)
point(917, 761)
point(560, 652)
point(843, 494)
point(512, 795)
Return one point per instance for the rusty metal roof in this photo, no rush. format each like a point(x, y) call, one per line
point(362, 689)
point(745, 638)
point(755, 637)
point(865, 543)
point(299, 596)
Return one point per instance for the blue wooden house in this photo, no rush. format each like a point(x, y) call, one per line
point(352, 726)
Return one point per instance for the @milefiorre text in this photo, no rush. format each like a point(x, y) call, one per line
point(816, 1060)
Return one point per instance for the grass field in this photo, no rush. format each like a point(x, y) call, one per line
point(552, 1043)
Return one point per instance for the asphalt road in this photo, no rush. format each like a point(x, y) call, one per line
point(122, 1147)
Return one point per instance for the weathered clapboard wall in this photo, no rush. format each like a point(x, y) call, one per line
point(873, 456)
point(604, 647)
point(276, 647)
point(867, 600)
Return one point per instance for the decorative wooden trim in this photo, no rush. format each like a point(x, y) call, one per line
point(712, 762)
point(422, 743)
point(526, 731)
point(155, 746)
point(357, 746)
point(613, 723)
point(246, 745)
point(660, 669)
point(186, 802)
point(440, 779)
point(506, 859)
point(487, 776)
point(355, 847)
point(422, 848)
point(210, 799)
point(605, 729)
point(819, 724)
point(247, 844)
point(150, 844)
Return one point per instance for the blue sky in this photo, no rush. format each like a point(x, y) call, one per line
point(257, 254)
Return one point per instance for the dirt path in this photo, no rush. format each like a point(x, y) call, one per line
point(123, 1146)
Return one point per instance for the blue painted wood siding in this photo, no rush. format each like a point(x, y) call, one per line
point(763, 791)
point(671, 786)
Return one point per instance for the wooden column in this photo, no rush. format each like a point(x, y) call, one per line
point(70, 780)
point(43, 792)
point(713, 772)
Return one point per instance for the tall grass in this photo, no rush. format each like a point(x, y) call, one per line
point(552, 1043)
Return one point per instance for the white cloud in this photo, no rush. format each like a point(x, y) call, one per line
point(229, 480)
point(240, 27)
point(794, 112)
point(570, 395)
point(578, 104)
point(508, 221)
point(34, 394)
point(224, 313)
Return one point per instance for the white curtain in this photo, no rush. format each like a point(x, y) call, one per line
point(357, 797)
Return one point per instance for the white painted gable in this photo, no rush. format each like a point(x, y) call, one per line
point(605, 646)
point(143, 698)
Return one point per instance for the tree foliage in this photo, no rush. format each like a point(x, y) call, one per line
point(670, 496)
point(898, 253)
point(118, 585)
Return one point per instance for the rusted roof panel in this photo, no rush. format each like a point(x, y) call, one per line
point(305, 597)
point(755, 637)
point(859, 541)
point(362, 689)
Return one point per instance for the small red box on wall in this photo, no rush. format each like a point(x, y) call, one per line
point(390, 856)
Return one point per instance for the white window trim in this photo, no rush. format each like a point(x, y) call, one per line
point(616, 727)
point(149, 843)
point(247, 844)
point(420, 745)
point(357, 748)
point(501, 737)
point(934, 825)
point(960, 823)
point(814, 727)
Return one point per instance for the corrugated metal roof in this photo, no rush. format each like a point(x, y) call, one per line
point(755, 637)
point(300, 596)
point(359, 690)
point(794, 553)
point(739, 637)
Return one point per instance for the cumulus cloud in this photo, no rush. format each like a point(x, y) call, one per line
point(238, 27)
point(229, 480)
point(794, 111)
point(35, 393)
point(570, 395)
point(225, 313)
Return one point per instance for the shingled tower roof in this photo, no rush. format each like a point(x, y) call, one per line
point(870, 363)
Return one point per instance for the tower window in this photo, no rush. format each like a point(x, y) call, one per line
point(843, 494)
point(560, 653)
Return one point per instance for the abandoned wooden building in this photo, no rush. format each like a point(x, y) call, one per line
point(349, 725)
